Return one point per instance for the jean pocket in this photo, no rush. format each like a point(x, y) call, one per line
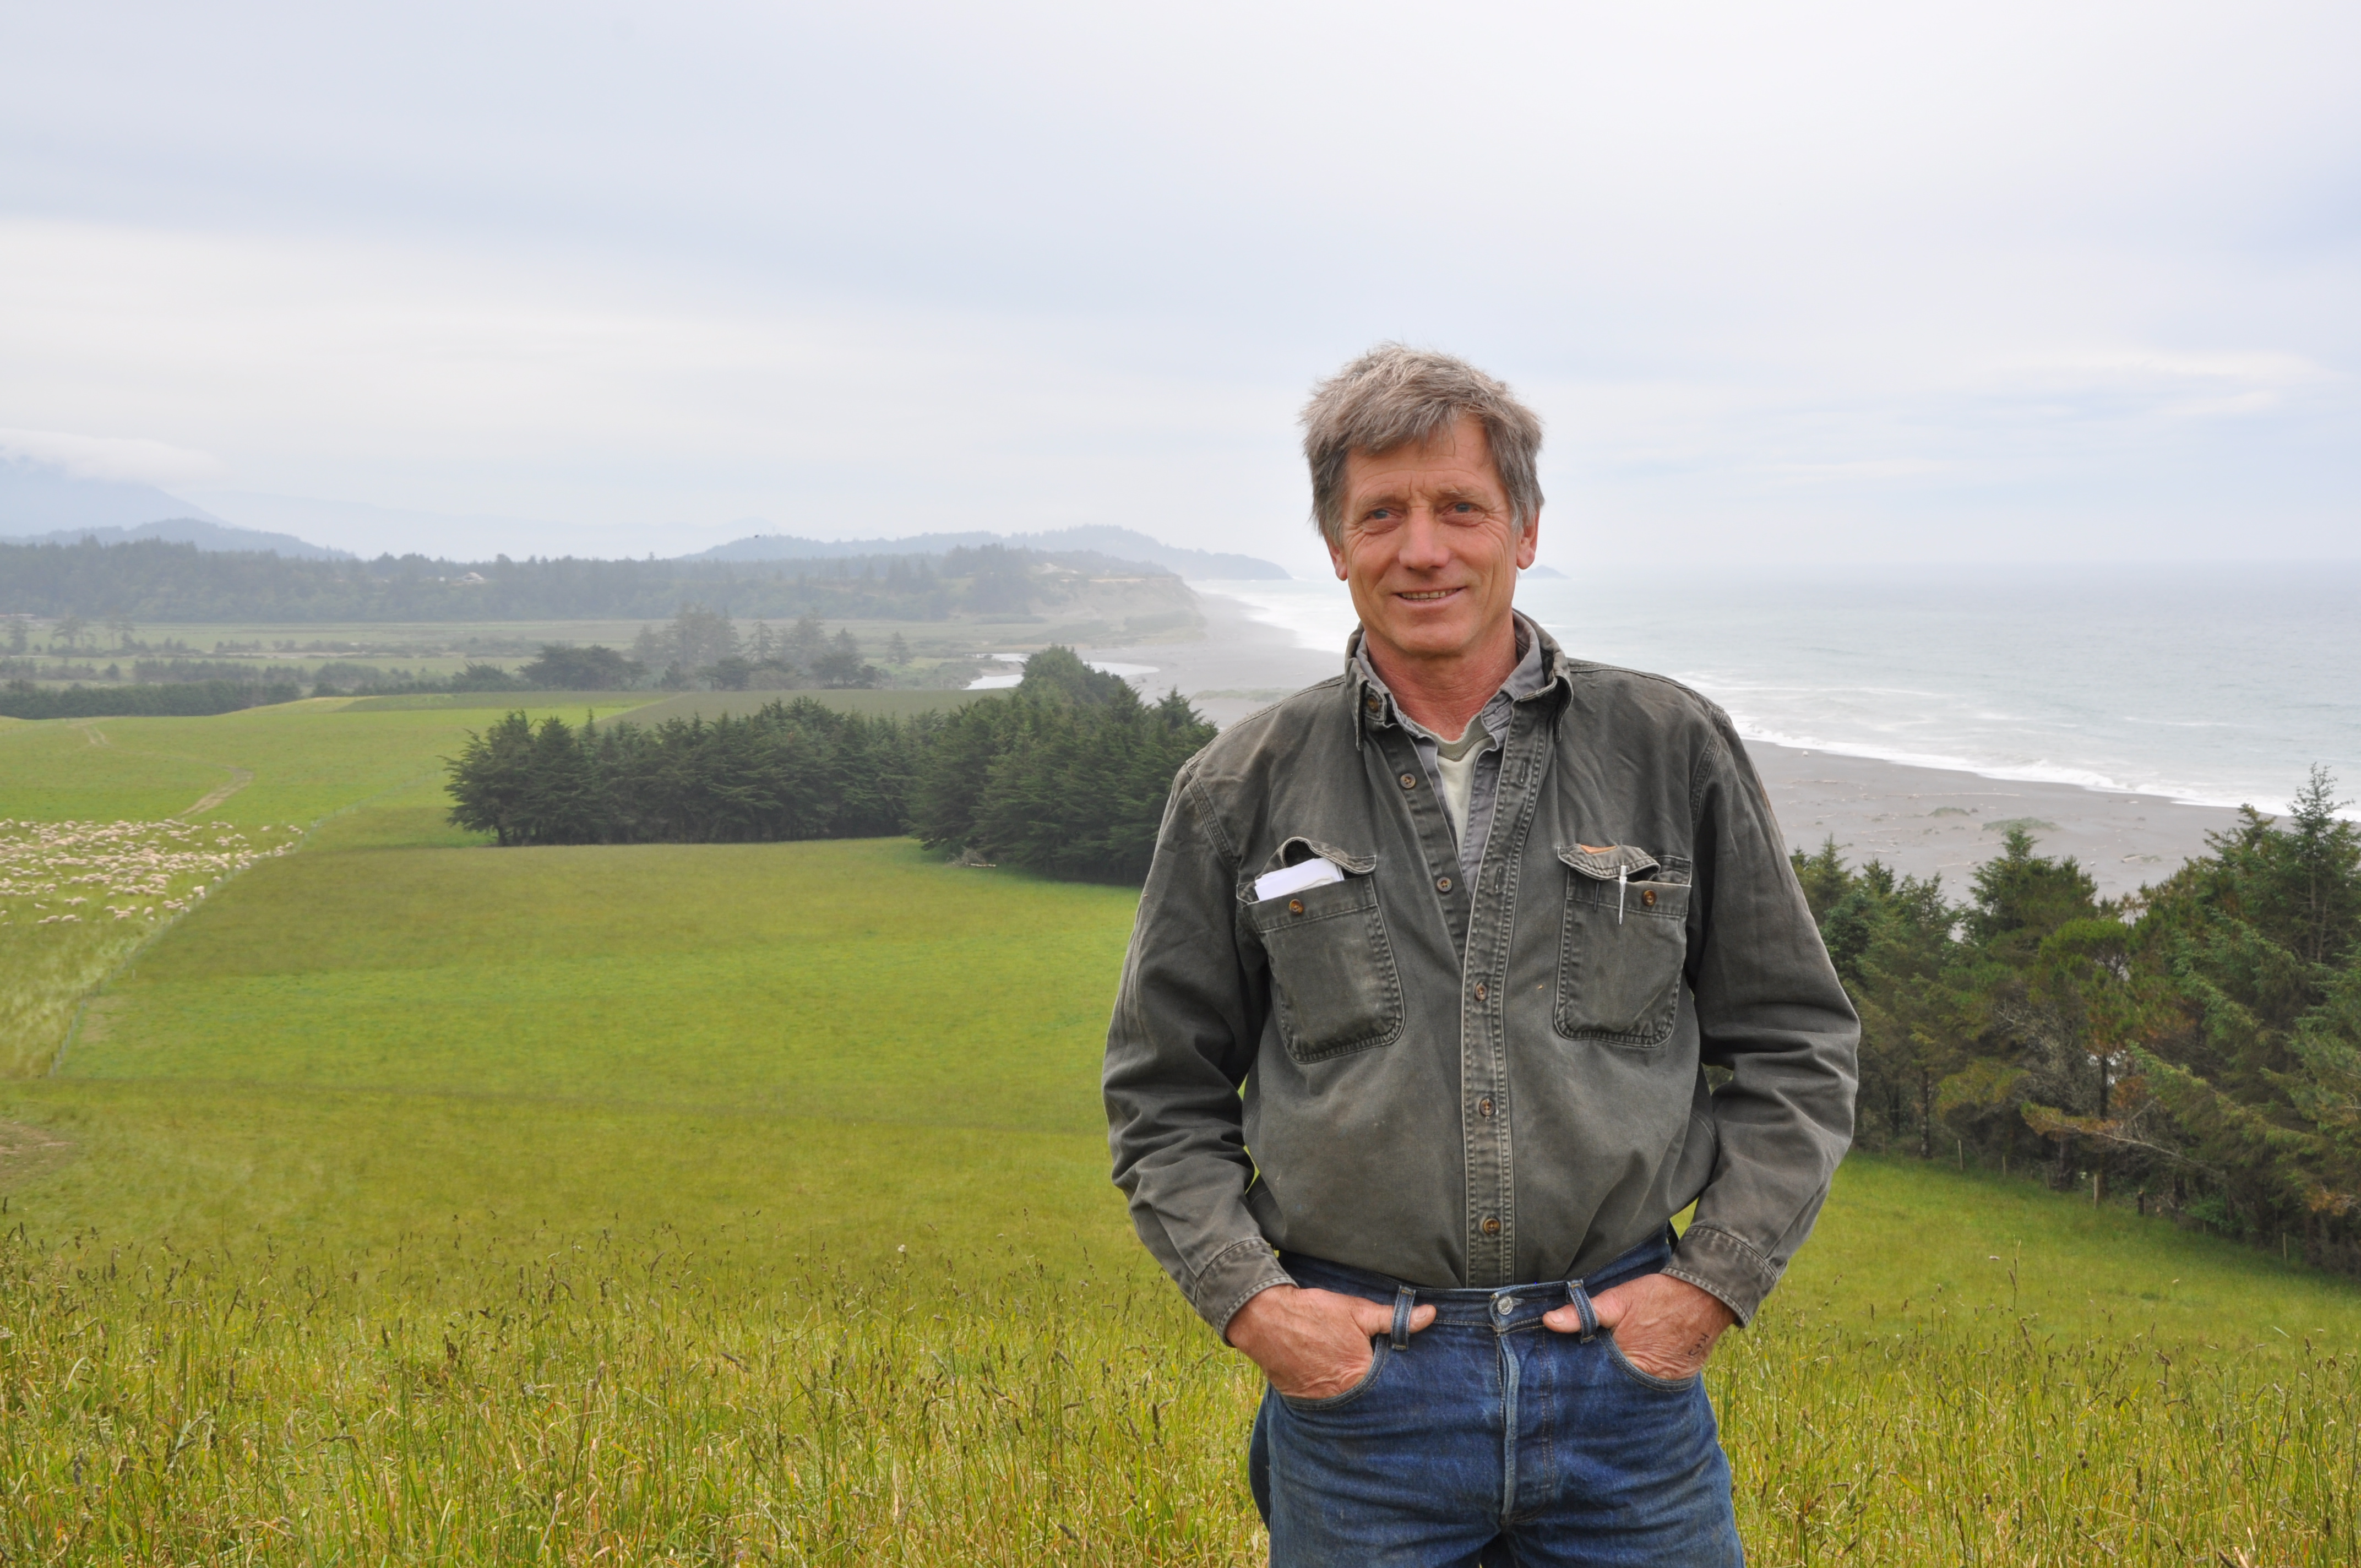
point(1622, 946)
point(1334, 984)
point(1647, 1380)
point(1379, 1349)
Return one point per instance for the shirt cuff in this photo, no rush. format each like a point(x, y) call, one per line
point(1724, 1267)
point(1237, 1274)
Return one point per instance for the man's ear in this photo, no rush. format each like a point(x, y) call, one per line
point(1335, 555)
point(1527, 545)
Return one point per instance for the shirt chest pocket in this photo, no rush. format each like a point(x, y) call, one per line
point(1334, 989)
point(1622, 946)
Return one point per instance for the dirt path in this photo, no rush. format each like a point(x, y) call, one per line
point(239, 779)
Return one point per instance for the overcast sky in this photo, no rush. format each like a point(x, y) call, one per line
point(1814, 281)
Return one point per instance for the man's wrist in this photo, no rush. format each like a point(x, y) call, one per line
point(1724, 1268)
point(1247, 1315)
point(1240, 1275)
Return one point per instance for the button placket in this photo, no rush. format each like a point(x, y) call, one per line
point(1430, 828)
point(1484, 1045)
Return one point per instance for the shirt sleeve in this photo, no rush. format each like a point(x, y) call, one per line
point(1187, 1020)
point(1771, 1009)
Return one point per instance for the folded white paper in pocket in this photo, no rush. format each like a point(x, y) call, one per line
point(1295, 878)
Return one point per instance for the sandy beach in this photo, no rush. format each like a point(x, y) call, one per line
point(1929, 821)
point(1921, 821)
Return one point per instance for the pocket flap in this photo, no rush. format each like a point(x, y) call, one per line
point(1608, 863)
point(1297, 850)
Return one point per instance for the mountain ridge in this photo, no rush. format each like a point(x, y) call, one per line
point(38, 497)
point(203, 533)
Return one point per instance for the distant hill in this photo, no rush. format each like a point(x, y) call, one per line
point(196, 531)
point(1121, 543)
point(368, 530)
point(39, 498)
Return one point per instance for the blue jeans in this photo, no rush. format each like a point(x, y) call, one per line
point(1488, 1438)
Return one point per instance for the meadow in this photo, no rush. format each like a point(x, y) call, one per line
point(405, 1199)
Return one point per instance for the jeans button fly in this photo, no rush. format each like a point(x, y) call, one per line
point(1504, 1305)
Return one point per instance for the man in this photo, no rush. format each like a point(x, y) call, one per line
point(1467, 925)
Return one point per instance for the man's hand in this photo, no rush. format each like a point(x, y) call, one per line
point(1663, 1326)
point(1313, 1344)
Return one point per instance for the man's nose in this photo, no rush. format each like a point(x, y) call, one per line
point(1422, 547)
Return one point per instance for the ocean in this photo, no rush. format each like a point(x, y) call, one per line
point(2219, 685)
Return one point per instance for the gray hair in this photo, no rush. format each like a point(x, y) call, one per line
point(1393, 395)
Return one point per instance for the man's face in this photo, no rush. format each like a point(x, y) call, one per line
point(1429, 548)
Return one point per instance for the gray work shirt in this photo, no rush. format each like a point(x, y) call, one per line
point(1486, 1070)
point(1529, 676)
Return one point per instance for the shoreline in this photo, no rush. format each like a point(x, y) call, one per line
point(1940, 821)
point(1919, 820)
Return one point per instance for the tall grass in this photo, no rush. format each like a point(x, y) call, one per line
point(560, 1401)
point(1988, 1441)
point(572, 1401)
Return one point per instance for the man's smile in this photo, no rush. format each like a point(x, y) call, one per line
point(1425, 595)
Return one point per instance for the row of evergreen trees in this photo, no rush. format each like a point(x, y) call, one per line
point(2196, 1046)
point(1067, 775)
point(175, 699)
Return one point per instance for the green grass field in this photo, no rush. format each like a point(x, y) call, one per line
point(268, 775)
point(412, 1200)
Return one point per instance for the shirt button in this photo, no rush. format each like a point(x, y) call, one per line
point(1295, 907)
point(1443, 884)
point(1648, 897)
point(1409, 781)
point(1480, 990)
point(1484, 1106)
point(1491, 1225)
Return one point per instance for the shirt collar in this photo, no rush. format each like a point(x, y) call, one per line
point(1536, 670)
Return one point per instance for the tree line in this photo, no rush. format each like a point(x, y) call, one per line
point(155, 580)
point(2195, 1046)
point(699, 647)
point(1066, 775)
point(180, 700)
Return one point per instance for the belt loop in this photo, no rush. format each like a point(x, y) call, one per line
point(1404, 1298)
point(1590, 1314)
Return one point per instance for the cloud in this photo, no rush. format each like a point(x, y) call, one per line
point(124, 458)
point(1827, 276)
